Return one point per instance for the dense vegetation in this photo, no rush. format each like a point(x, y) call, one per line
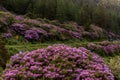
point(24, 29)
point(85, 12)
point(83, 39)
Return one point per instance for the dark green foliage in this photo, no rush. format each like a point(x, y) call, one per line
point(3, 55)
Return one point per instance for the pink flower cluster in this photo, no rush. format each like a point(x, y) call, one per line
point(57, 62)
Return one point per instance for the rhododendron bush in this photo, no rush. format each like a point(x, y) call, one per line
point(105, 48)
point(57, 62)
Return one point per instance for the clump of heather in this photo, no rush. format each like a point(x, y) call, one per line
point(57, 62)
point(105, 48)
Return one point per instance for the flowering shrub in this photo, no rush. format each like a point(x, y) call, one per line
point(96, 29)
point(105, 48)
point(64, 34)
point(7, 17)
point(20, 18)
point(94, 47)
point(32, 22)
point(112, 36)
point(19, 28)
point(40, 31)
point(76, 35)
point(60, 33)
point(58, 62)
point(55, 22)
point(48, 27)
point(90, 35)
point(95, 35)
point(35, 34)
point(105, 43)
point(7, 35)
point(112, 49)
point(31, 35)
point(86, 34)
point(69, 26)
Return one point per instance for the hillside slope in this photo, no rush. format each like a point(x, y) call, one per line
point(18, 26)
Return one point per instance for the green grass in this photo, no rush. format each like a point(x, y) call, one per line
point(13, 49)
